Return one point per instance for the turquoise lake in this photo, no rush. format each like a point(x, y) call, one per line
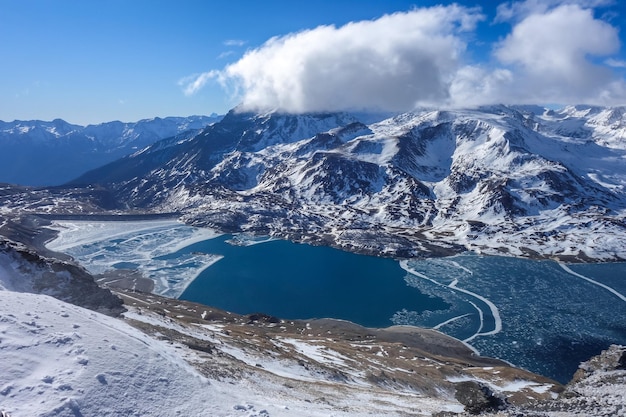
point(539, 315)
point(295, 281)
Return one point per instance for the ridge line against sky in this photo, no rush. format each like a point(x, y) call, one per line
point(90, 62)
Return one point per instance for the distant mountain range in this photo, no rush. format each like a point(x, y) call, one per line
point(50, 153)
point(520, 180)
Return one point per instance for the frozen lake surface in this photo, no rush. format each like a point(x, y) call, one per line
point(141, 245)
point(540, 315)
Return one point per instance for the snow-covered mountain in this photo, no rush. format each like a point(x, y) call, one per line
point(517, 180)
point(520, 180)
point(51, 153)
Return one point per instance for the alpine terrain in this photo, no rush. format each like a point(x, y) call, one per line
point(522, 181)
point(35, 152)
point(519, 181)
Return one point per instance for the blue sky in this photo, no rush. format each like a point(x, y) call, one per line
point(96, 61)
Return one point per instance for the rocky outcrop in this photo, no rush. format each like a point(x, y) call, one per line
point(23, 269)
point(599, 385)
point(597, 389)
point(478, 398)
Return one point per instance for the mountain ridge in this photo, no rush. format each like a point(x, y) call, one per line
point(42, 153)
point(494, 179)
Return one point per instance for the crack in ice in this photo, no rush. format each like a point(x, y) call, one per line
point(497, 328)
point(599, 284)
point(481, 317)
point(440, 325)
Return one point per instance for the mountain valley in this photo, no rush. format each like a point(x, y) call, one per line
point(517, 181)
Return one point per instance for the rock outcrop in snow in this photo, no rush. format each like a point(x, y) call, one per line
point(24, 269)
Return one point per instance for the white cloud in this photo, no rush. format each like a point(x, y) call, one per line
point(192, 84)
point(550, 53)
point(391, 63)
point(235, 42)
point(556, 52)
point(615, 63)
point(475, 85)
point(519, 10)
point(225, 54)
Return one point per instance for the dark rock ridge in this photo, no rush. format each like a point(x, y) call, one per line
point(478, 398)
point(60, 279)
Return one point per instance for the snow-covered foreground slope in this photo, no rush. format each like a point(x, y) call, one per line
point(62, 360)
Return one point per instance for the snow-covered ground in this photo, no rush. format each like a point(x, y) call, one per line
point(61, 360)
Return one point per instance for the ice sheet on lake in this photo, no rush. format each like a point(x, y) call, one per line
point(146, 246)
point(550, 318)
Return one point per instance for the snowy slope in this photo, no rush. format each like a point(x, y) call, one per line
point(62, 360)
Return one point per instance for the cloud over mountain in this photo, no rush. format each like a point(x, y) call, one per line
point(403, 60)
point(552, 52)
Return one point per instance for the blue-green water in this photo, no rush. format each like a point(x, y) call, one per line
point(534, 314)
point(539, 315)
point(294, 281)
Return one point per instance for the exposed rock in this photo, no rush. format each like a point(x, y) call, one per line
point(478, 398)
point(612, 359)
point(597, 389)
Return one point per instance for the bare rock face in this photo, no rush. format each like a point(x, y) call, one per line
point(600, 383)
point(478, 398)
point(612, 359)
point(597, 389)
